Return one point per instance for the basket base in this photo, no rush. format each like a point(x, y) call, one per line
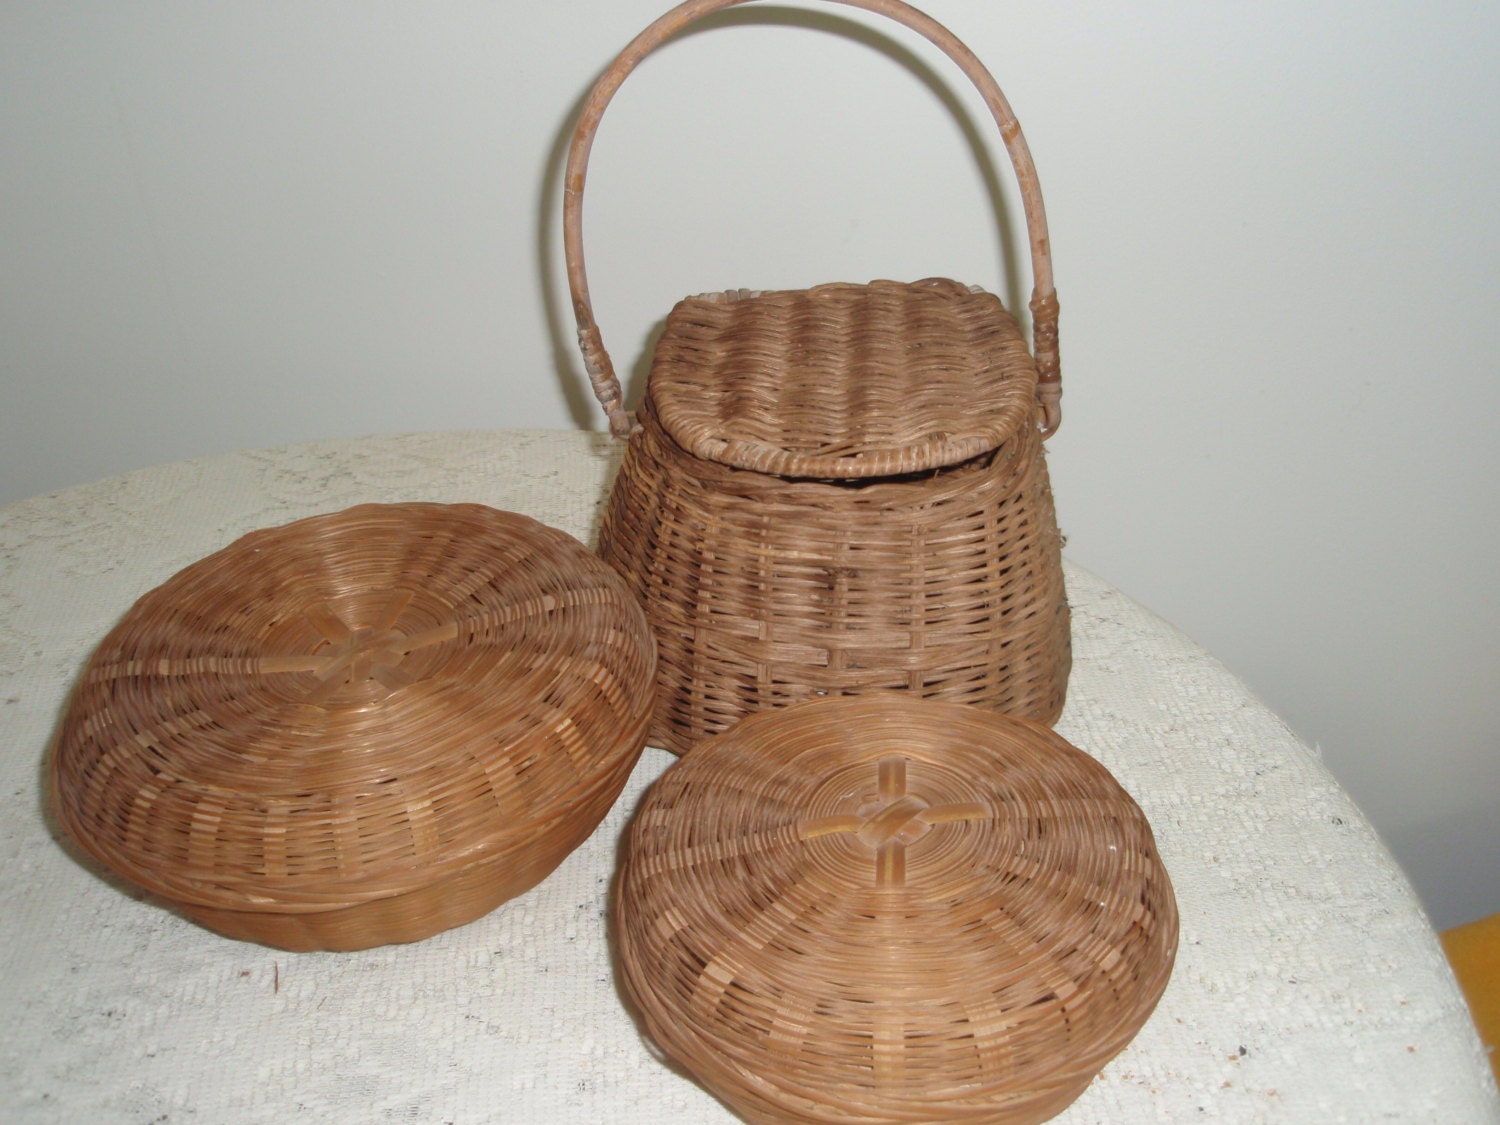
point(395, 920)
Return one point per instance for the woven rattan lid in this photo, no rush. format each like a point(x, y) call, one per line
point(843, 381)
point(431, 703)
point(883, 909)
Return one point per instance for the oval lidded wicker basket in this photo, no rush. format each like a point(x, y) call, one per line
point(888, 909)
point(359, 728)
point(839, 489)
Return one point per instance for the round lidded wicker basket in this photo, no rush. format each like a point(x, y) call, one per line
point(359, 728)
point(884, 909)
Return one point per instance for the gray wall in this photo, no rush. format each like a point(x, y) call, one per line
point(1276, 226)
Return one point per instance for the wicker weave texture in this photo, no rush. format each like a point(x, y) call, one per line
point(843, 381)
point(763, 591)
point(889, 910)
point(359, 728)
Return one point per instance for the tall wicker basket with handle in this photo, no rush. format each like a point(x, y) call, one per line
point(840, 489)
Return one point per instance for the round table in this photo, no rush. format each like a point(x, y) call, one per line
point(1309, 985)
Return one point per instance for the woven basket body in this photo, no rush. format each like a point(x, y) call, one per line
point(838, 489)
point(765, 589)
point(359, 728)
point(886, 909)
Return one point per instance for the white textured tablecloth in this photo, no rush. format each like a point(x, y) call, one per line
point(1308, 987)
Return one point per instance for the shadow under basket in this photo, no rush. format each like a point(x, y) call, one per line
point(359, 728)
point(888, 909)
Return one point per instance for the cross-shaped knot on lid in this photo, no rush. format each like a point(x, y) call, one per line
point(353, 655)
point(897, 818)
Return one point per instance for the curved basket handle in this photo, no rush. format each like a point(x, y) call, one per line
point(1043, 296)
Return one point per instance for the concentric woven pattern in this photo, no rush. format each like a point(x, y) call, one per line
point(885, 910)
point(763, 591)
point(843, 381)
point(358, 728)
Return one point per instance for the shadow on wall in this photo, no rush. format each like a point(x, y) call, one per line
point(566, 361)
point(1439, 854)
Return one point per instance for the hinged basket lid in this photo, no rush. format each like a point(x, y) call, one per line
point(361, 727)
point(843, 381)
point(884, 909)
